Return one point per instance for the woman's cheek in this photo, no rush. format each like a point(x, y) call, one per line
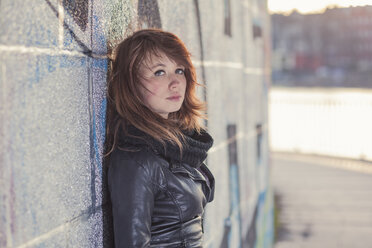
point(155, 88)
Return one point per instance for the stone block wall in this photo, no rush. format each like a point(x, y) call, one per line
point(53, 70)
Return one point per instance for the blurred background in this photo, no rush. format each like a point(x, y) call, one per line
point(320, 118)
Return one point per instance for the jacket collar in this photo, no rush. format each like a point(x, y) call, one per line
point(194, 151)
point(197, 174)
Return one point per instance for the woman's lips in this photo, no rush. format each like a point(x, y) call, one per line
point(174, 98)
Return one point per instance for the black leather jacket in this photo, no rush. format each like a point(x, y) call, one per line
point(156, 203)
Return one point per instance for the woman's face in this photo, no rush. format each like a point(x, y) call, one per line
point(163, 84)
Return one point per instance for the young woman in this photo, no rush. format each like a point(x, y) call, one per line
point(157, 180)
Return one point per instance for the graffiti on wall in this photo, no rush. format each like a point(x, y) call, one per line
point(84, 34)
point(227, 17)
point(79, 15)
point(232, 229)
point(259, 143)
point(148, 14)
point(83, 16)
point(78, 10)
point(257, 10)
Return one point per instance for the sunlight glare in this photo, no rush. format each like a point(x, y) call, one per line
point(311, 6)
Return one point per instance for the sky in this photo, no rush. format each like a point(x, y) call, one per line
point(311, 6)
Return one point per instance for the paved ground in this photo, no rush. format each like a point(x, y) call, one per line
point(321, 205)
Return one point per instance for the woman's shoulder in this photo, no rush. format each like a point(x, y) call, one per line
point(142, 156)
point(144, 160)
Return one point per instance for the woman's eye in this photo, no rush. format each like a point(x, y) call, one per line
point(159, 73)
point(180, 71)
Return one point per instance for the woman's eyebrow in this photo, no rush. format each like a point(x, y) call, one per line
point(154, 66)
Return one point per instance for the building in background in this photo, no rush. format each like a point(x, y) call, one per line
point(329, 49)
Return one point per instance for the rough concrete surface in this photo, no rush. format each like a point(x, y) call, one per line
point(53, 70)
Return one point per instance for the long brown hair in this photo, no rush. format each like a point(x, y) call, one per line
point(124, 103)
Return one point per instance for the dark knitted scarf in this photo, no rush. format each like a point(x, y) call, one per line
point(194, 151)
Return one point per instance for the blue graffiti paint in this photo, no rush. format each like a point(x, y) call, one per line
point(37, 73)
point(234, 238)
point(103, 119)
point(99, 70)
point(46, 64)
point(262, 197)
point(96, 143)
point(266, 220)
point(100, 67)
point(101, 126)
point(269, 234)
point(100, 43)
point(232, 233)
point(85, 49)
point(258, 144)
point(66, 61)
point(51, 63)
point(67, 38)
point(100, 64)
point(38, 35)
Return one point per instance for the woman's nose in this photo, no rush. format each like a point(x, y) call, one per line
point(173, 82)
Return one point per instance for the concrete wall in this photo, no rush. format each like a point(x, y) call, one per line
point(53, 68)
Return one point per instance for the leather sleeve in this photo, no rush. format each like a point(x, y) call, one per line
point(132, 196)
